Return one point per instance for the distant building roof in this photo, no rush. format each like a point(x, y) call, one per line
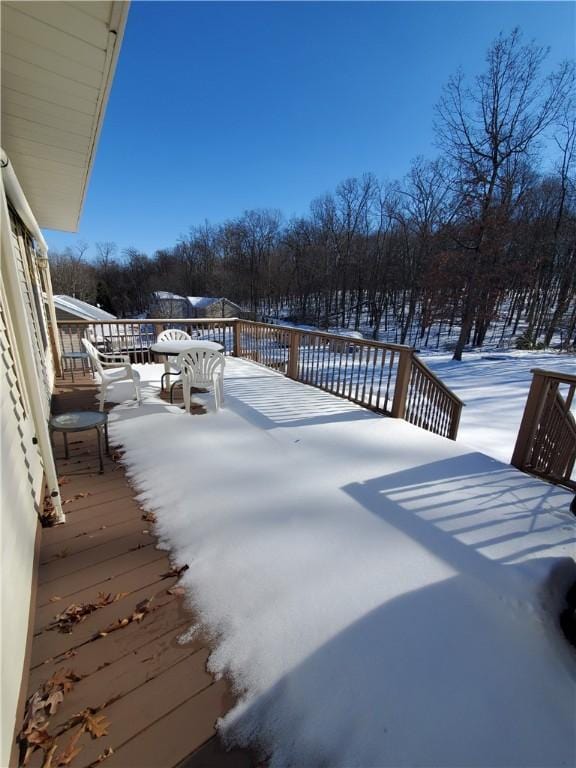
point(165, 295)
point(81, 308)
point(201, 302)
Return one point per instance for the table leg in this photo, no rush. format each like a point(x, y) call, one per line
point(100, 456)
point(66, 456)
point(106, 437)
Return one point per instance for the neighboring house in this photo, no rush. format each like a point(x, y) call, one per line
point(70, 308)
point(166, 304)
point(207, 306)
point(58, 63)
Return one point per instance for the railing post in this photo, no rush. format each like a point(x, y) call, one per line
point(402, 382)
point(455, 421)
point(293, 355)
point(236, 343)
point(530, 419)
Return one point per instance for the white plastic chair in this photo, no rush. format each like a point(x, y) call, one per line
point(111, 368)
point(171, 334)
point(204, 369)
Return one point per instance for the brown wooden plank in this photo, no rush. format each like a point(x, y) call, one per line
point(141, 708)
point(120, 679)
point(66, 565)
point(142, 580)
point(93, 482)
point(94, 502)
point(213, 755)
point(99, 575)
point(115, 512)
point(77, 544)
point(172, 617)
point(169, 740)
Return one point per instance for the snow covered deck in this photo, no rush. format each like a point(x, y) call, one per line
point(378, 595)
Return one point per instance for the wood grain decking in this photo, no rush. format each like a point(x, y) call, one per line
point(159, 701)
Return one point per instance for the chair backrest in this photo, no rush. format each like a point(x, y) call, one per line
point(93, 355)
point(200, 366)
point(173, 334)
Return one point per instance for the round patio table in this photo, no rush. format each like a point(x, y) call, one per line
point(175, 347)
point(80, 421)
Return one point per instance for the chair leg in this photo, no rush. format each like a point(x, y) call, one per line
point(137, 391)
point(102, 397)
point(186, 393)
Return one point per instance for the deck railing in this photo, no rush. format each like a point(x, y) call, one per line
point(386, 378)
point(546, 443)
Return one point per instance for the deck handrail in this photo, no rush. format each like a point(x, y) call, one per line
point(546, 442)
point(386, 378)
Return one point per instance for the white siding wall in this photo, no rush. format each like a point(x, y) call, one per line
point(21, 484)
point(21, 472)
point(34, 303)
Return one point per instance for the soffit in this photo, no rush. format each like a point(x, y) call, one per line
point(58, 61)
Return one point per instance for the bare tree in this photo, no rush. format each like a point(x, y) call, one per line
point(71, 274)
point(484, 130)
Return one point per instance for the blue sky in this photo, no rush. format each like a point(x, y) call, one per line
point(218, 107)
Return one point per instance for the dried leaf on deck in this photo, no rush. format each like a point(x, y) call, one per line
point(96, 726)
point(108, 752)
point(149, 517)
point(39, 737)
point(53, 701)
point(63, 679)
point(142, 609)
point(174, 572)
point(76, 497)
point(48, 756)
point(75, 614)
point(176, 591)
point(71, 750)
point(54, 599)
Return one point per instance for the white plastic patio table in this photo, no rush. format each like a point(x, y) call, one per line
point(175, 347)
point(181, 345)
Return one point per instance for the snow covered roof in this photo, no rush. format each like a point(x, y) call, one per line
point(81, 308)
point(167, 295)
point(201, 302)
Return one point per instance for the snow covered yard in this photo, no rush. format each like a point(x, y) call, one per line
point(379, 595)
point(494, 387)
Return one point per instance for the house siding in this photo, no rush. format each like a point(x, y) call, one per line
point(22, 471)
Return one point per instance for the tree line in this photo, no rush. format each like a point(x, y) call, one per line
point(475, 245)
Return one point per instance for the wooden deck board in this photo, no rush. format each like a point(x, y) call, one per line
point(156, 693)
